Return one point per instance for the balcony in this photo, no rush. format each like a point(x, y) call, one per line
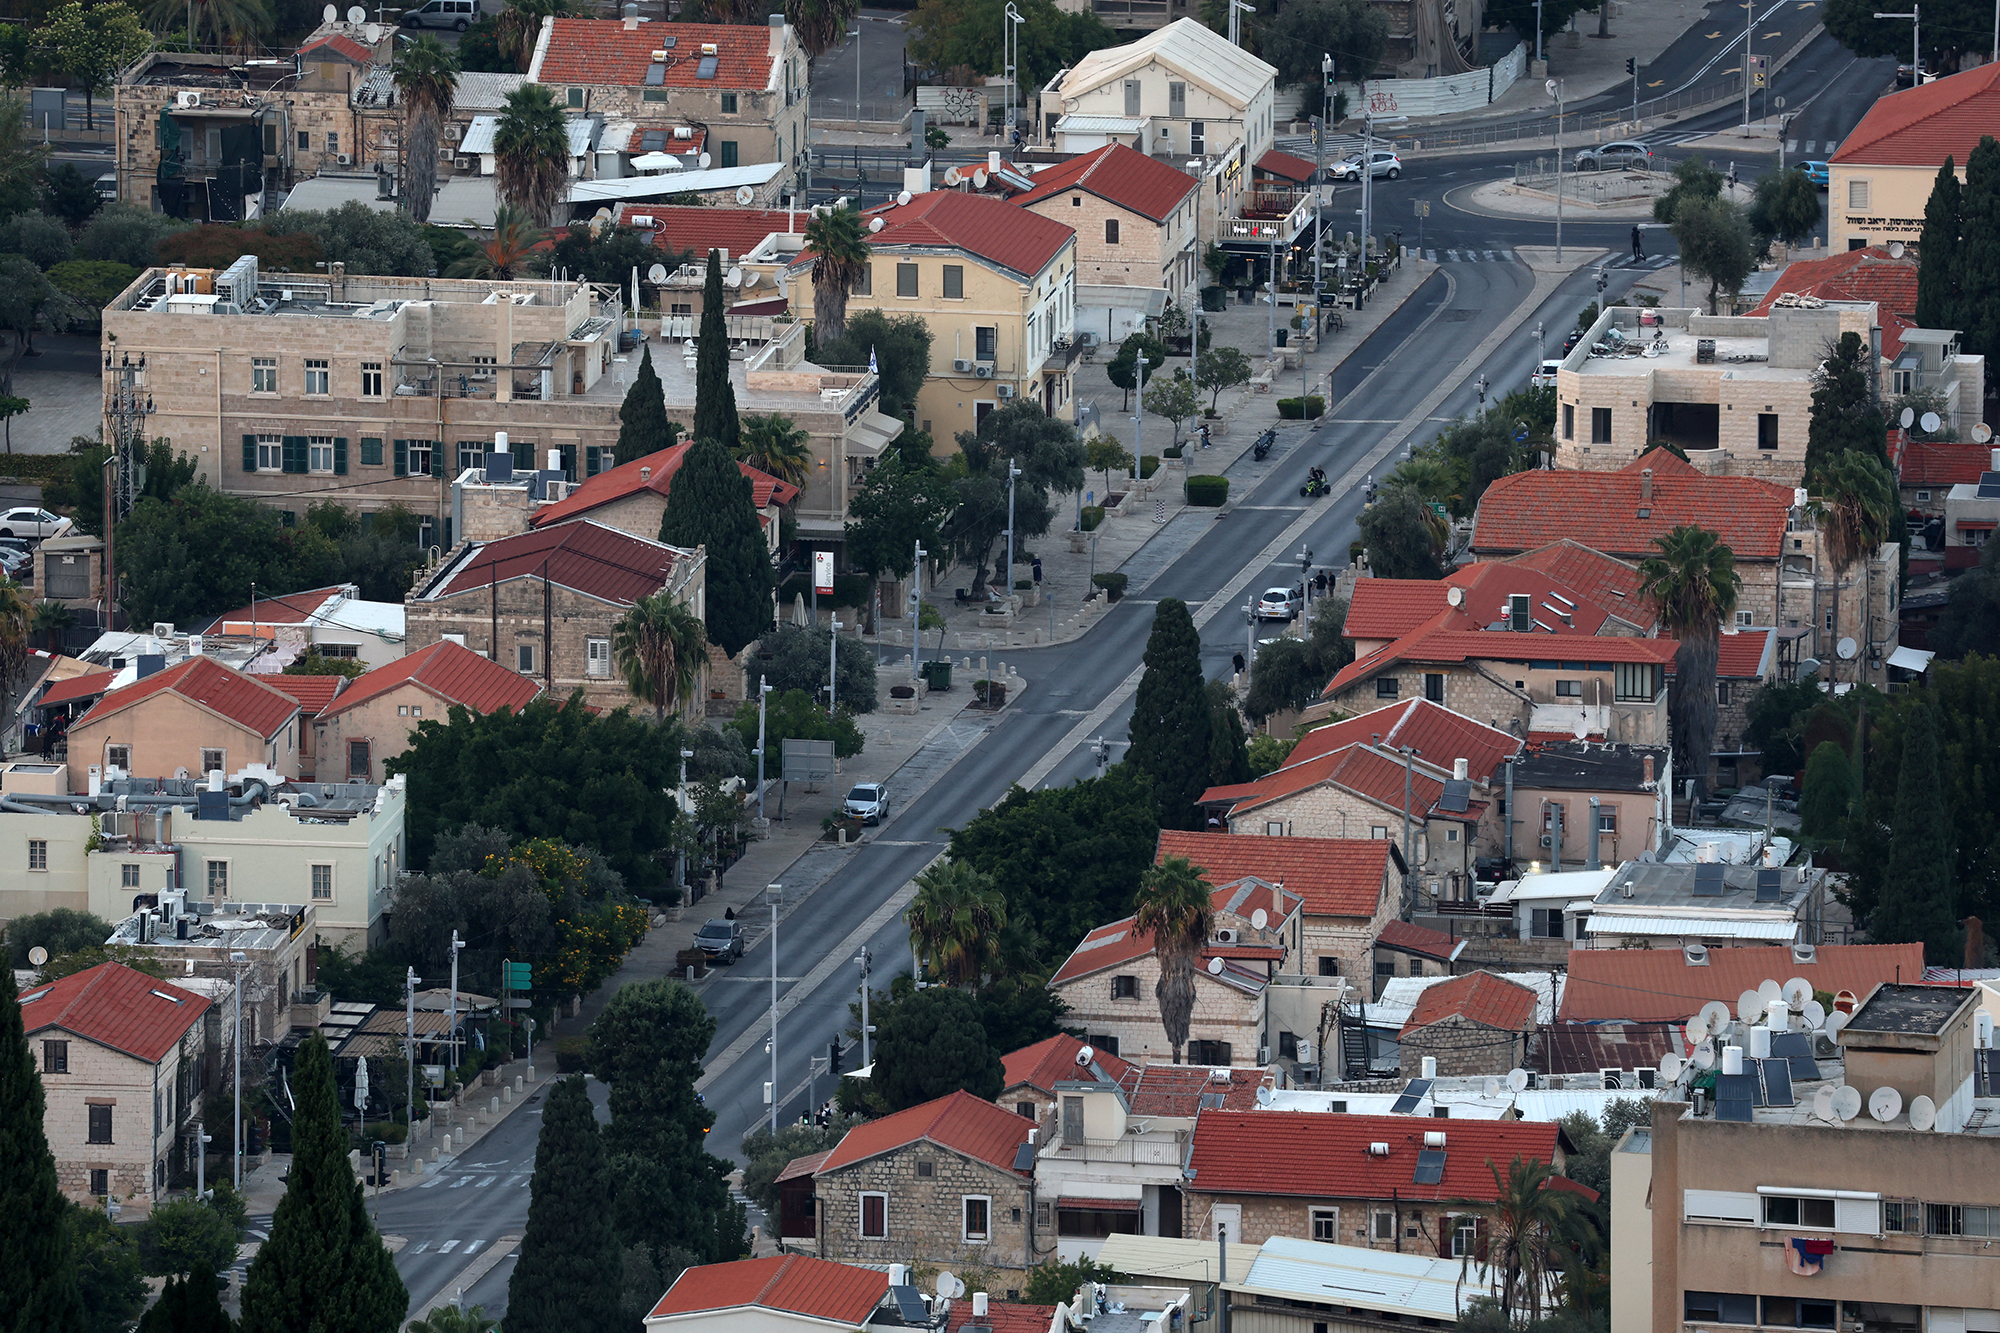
point(1063, 353)
point(1270, 216)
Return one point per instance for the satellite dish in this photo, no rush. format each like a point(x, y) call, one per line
point(1704, 1057)
point(874, 224)
point(372, 31)
point(601, 215)
point(1846, 648)
point(1265, 1096)
point(1885, 1104)
point(1822, 1107)
point(1492, 1087)
point(704, 161)
point(657, 274)
point(355, 13)
point(38, 955)
point(1835, 1021)
point(1696, 1030)
point(744, 194)
point(902, 197)
point(1909, 415)
point(1797, 995)
point(1930, 421)
point(1749, 1005)
point(951, 176)
point(1815, 1015)
point(784, 285)
point(1259, 919)
point(330, 14)
point(1923, 1113)
point(1084, 1055)
point(1517, 1080)
point(1846, 1001)
point(1716, 1014)
point(1981, 433)
point(946, 1280)
point(750, 278)
point(1670, 1066)
point(733, 278)
point(1769, 990)
point(1896, 249)
point(979, 178)
point(1215, 967)
point(1846, 1103)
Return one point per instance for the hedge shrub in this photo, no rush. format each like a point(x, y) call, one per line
point(1092, 516)
point(1113, 584)
point(1148, 465)
point(1207, 492)
point(572, 1054)
point(1171, 451)
point(1288, 408)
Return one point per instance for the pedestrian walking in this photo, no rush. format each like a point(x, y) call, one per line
point(1204, 435)
point(1038, 571)
point(1638, 250)
point(1237, 662)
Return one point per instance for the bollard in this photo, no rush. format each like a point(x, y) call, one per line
point(507, 1093)
point(495, 1108)
point(517, 1082)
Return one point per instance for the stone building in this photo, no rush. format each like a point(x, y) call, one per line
point(371, 720)
point(120, 1055)
point(1495, 594)
point(1376, 1180)
point(1880, 178)
point(937, 1184)
point(1745, 661)
point(1478, 1023)
point(546, 603)
point(1668, 985)
point(1029, 1076)
point(633, 497)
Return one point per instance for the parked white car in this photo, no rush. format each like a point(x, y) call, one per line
point(32, 523)
point(1382, 166)
point(868, 802)
point(1545, 377)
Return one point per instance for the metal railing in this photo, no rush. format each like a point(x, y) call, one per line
point(1444, 137)
point(1586, 187)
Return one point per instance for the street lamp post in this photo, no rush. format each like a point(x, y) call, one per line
point(1915, 16)
point(1196, 168)
point(1555, 88)
point(916, 610)
point(681, 857)
point(1014, 18)
point(833, 666)
point(1326, 71)
point(239, 960)
point(1014, 472)
point(1538, 30)
point(1367, 187)
point(763, 693)
point(774, 890)
point(1749, 20)
point(867, 959)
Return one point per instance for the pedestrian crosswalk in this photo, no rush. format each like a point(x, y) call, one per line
point(441, 1180)
point(1447, 256)
point(1813, 147)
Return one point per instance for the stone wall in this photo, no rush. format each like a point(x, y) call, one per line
point(926, 1214)
point(1221, 1013)
point(1264, 1216)
point(1146, 253)
point(100, 1076)
point(1464, 1046)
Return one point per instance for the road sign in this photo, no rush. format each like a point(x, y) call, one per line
point(1423, 208)
point(808, 761)
point(520, 1004)
point(1778, 102)
point(518, 976)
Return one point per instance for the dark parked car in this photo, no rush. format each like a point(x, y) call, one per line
point(721, 940)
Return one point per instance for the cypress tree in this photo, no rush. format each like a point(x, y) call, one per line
point(1844, 414)
point(38, 1292)
point(710, 504)
point(643, 425)
point(1918, 901)
point(1828, 796)
point(1937, 253)
point(714, 395)
point(1978, 308)
point(569, 1274)
point(189, 1303)
point(1171, 722)
point(324, 1270)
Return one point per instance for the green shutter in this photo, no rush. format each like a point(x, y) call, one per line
point(402, 458)
point(524, 454)
point(249, 453)
point(371, 451)
point(590, 461)
point(340, 456)
point(295, 453)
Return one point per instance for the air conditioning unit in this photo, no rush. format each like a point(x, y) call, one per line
point(961, 365)
point(1225, 935)
point(454, 132)
point(187, 98)
point(1556, 1082)
point(1548, 840)
point(1005, 391)
point(346, 160)
point(1648, 1078)
point(1263, 1055)
point(445, 152)
point(1614, 1079)
point(462, 163)
point(683, 132)
point(983, 370)
point(163, 629)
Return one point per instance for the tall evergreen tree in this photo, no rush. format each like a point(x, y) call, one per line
point(324, 1269)
point(189, 1303)
point(1919, 898)
point(643, 425)
point(38, 1292)
point(714, 395)
point(571, 1266)
point(711, 505)
point(1978, 307)
point(1844, 412)
point(1937, 252)
point(1171, 721)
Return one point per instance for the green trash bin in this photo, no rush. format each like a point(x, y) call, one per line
point(1283, 334)
point(937, 675)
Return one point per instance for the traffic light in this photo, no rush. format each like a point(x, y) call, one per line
point(1631, 65)
point(833, 1056)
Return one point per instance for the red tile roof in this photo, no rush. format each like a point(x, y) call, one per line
point(737, 230)
point(1053, 1060)
point(314, 693)
point(602, 51)
point(1335, 876)
point(116, 1006)
point(341, 42)
point(797, 1283)
point(1391, 608)
point(1431, 728)
point(1940, 463)
point(1121, 175)
point(292, 608)
point(588, 557)
point(451, 672)
point(1403, 936)
point(801, 1167)
point(1606, 580)
point(1002, 1317)
point(1659, 985)
point(1478, 997)
point(1366, 772)
point(1115, 943)
point(961, 1122)
point(1870, 274)
point(1315, 1155)
point(1454, 646)
point(1287, 165)
point(87, 686)
point(1922, 126)
point(1585, 1048)
point(1746, 655)
point(1601, 509)
point(658, 476)
point(244, 700)
point(1177, 1090)
point(992, 229)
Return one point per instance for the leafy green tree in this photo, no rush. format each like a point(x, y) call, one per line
point(41, 238)
point(479, 49)
point(22, 158)
point(38, 1280)
point(1938, 252)
point(711, 504)
point(1056, 1283)
point(1590, 1163)
point(945, 34)
point(1979, 251)
point(1520, 15)
point(1775, 722)
point(198, 553)
point(368, 242)
point(1785, 207)
point(1228, 759)
point(796, 715)
point(531, 153)
point(29, 304)
point(1220, 368)
point(1694, 179)
point(1970, 622)
point(1845, 415)
point(92, 45)
point(189, 1303)
point(1828, 795)
point(767, 1155)
point(570, 1270)
point(91, 283)
point(451, 1319)
point(188, 1236)
point(125, 234)
point(821, 24)
point(1951, 29)
point(1327, 637)
point(1694, 583)
point(899, 506)
point(508, 915)
point(1714, 240)
point(1171, 725)
point(1125, 368)
point(714, 396)
point(1283, 679)
point(109, 1276)
point(68, 194)
point(1105, 453)
point(1400, 536)
point(1294, 40)
point(1919, 901)
point(1267, 754)
point(324, 1269)
point(1175, 908)
point(1174, 398)
point(955, 921)
point(60, 930)
point(519, 25)
point(931, 1046)
point(1050, 457)
point(609, 256)
point(794, 657)
point(901, 345)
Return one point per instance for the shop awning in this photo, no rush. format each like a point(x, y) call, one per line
point(1068, 1204)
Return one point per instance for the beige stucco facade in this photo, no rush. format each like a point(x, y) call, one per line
point(166, 734)
point(1874, 203)
point(386, 722)
point(43, 857)
point(1632, 822)
point(1117, 246)
point(149, 1107)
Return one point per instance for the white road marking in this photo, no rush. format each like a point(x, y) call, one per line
point(421, 1247)
point(486, 1181)
point(448, 1246)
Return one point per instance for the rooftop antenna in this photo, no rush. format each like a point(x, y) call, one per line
point(1670, 1066)
point(1215, 967)
point(1717, 1015)
point(1846, 1102)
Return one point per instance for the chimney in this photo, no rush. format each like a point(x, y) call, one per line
point(1278, 901)
point(645, 475)
point(1461, 769)
point(777, 35)
point(632, 18)
point(1649, 770)
point(1646, 484)
point(1975, 942)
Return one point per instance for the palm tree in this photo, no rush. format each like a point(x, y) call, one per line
point(1428, 477)
point(505, 253)
point(531, 153)
point(660, 647)
point(52, 620)
point(1693, 581)
point(221, 22)
point(777, 446)
point(1175, 906)
point(840, 256)
point(519, 26)
point(955, 922)
point(451, 1319)
point(16, 619)
point(1854, 509)
point(426, 75)
point(822, 24)
point(1528, 1230)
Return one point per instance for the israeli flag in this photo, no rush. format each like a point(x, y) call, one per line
point(872, 370)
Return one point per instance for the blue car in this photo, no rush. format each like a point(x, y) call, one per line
point(1815, 172)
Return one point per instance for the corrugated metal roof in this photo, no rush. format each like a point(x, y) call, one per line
point(1609, 921)
point(479, 135)
point(87, 686)
point(1172, 1259)
point(115, 1006)
point(1383, 1281)
point(586, 557)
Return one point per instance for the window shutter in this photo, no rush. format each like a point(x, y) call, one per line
point(590, 460)
point(402, 458)
point(295, 453)
point(569, 460)
point(371, 451)
point(340, 456)
point(249, 453)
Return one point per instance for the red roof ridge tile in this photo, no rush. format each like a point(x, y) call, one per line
point(1479, 997)
point(961, 1122)
point(655, 472)
point(1121, 175)
point(1921, 126)
point(1311, 1154)
point(206, 683)
point(797, 1283)
point(604, 53)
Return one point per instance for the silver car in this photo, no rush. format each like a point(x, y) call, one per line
point(1382, 166)
point(1624, 155)
point(868, 802)
point(1278, 604)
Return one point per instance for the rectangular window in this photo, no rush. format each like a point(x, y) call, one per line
point(1857, 194)
point(1131, 97)
point(597, 658)
point(525, 655)
point(978, 1217)
point(1899, 1215)
point(332, 143)
point(211, 760)
point(38, 854)
point(55, 1057)
point(319, 453)
point(420, 458)
point(1782, 1210)
point(865, 284)
point(1386, 687)
point(575, 98)
point(954, 282)
point(1326, 1225)
point(322, 884)
point(1214, 1053)
point(1274, 828)
point(128, 875)
point(358, 766)
point(1546, 923)
point(371, 451)
point(1607, 819)
point(263, 374)
point(1792, 1312)
point(1124, 988)
point(318, 378)
point(729, 104)
point(100, 1124)
point(1434, 686)
point(1569, 421)
point(218, 879)
point(986, 342)
point(1464, 1236)
point(1600, 425)
point(1111, 231)
point(1378, 831)
point(1569, 689)
point(100, 1181)
point(1634, 682)
point(728, 154)
point(270, 453)
point(1951, 1219)
point(1197, 137)
point(1767, 430)
point(1329, 966)
point(118, 757)
point(906, 279)
point(1383, 1226)
point(1176, 99)
point(875, 1216)
point(371, 380)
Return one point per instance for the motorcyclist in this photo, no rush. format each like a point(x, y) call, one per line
point(1316, 479)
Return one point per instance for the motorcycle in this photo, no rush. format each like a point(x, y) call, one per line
point(1262, 447)
point(1314, 488)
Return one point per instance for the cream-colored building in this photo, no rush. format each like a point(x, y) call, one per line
point(1880, 179)
point(121, 1059)
point(372, 720)
point(996, 285)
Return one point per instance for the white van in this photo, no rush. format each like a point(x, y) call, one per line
point(457, 14)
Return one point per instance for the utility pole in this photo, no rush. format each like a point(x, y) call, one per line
point(1014, 472)
point(1916, 44)
point(763, 693)
point(1013, 18)
point(681, 856)
point(917, 611)
point(410, 982)
point(451, 1011)
point(1326, 71)
point(866, 958)
point(1409, 754)
point(238, 959)
point(832, 665)
point(1555, 88)
point(1538, 31)
point(774, 890)
point(1367, 188)
point(1749, 26)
